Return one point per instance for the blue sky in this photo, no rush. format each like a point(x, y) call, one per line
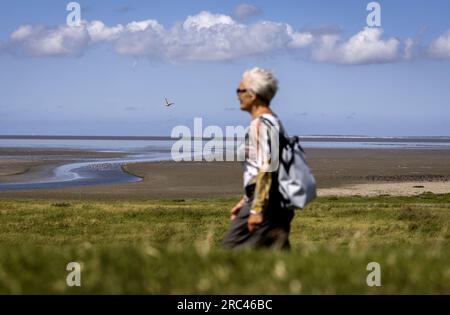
point(109, 76)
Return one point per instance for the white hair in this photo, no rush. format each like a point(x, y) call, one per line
point(261, 82)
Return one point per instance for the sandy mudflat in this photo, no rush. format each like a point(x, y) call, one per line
point(9, 167)
point(391, 189)
point(337, 171)
point(13, 171)
point(25, 164)
point(13, 151)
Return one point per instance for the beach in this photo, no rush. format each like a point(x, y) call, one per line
point(338, 172)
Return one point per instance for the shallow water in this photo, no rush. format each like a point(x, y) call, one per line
point(97, 171)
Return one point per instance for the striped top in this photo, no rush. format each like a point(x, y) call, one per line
point(261, 157)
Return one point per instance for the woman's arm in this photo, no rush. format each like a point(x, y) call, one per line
point(262, 190)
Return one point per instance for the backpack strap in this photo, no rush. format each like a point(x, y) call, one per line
point(283, 137)
point(284, 140)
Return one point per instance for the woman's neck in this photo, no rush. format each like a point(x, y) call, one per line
point(260, 110)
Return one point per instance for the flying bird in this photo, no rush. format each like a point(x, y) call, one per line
point(168, 104)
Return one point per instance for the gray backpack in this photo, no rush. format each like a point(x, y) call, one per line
point(296, 182)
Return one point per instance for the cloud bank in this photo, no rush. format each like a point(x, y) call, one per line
point(208, 36)
point(43, 41)
point(365, 47)
point(440, 47)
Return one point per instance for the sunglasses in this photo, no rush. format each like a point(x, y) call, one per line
point(239, 91)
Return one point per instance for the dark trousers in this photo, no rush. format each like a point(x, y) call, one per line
point(272, 233)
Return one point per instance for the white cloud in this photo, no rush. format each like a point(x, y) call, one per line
point(409, 48)
point(208, 36)
point(144, 25)
point(204, 36)
point(299, 39)
point(366, 47)
point(22, 33)
point(142, 39)
point(244, 11)
point(205, 20)
point(440, 47)
point(100, 32)
point(43, 41)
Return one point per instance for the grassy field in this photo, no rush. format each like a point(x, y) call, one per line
point(173, 247)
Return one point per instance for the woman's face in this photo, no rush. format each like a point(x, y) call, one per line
point(246, 98)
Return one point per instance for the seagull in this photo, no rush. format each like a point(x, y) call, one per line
point(168, 104)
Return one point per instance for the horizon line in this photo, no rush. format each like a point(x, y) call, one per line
point(161, 138)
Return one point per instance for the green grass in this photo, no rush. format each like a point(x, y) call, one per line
point(173, 246)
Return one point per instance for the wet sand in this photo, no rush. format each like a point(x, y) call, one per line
point(337, 171)
point(26, 164)
point(13, 171)
point(30, 152)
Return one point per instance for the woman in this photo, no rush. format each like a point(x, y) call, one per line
point(260, 219)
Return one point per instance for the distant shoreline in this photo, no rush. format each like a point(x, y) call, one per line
point(312, 138)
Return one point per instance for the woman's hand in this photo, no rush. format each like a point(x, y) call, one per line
point(237, 208)
point(254, 221)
